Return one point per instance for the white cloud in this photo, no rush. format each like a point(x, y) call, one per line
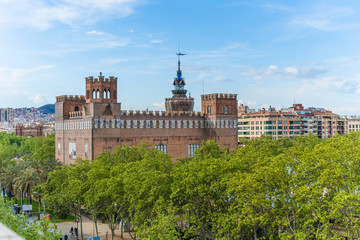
point(235, 46)
point(9, 76)
point(210, 78)
point(247, 103)
point(291, 72)
point(42, 14)
point(37, 99)
point(357, 91)
point(156, 41)
point(218, 79)
point(112, 44)
point(335, 83)
point(94, 32)
point(159, 105)
point(325, 18)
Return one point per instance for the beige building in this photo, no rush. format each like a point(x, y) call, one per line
point(353, 124)
point(267, 122)
point(329, 124)
point(292, 121)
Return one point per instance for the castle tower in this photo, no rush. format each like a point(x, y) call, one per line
point(179, 101)
point(101, 89)
point(219, 104)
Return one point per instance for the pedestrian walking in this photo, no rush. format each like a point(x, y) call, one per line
point(72, 231)
point(76, 231)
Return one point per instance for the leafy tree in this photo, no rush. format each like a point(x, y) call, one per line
point(40, 230)
point(66, 187)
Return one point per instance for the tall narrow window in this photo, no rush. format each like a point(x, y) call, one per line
point(94, 94)
point(59, 148)
point(226, 109)
point(105, 94)
point(76, 109)
point(86, 150)
point(109, 94)
point(72, 150)
point(208, 109)
point(192, 148)
point(97, 94)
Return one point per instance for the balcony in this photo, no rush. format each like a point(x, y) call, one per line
point(76, 114)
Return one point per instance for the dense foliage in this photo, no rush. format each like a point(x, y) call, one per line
point(301, 188)
point(25, 163)
point(40, 230)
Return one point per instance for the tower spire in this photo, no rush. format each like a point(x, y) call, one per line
point(179, 101)
point(179, 63)
point(179, 82)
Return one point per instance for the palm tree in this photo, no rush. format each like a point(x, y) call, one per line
point(8, 172)
point(27, 178)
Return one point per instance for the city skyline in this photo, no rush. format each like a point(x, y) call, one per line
point(268, 52)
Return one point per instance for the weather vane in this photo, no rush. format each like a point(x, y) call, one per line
point(179, 55)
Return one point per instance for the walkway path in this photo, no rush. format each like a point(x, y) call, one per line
point(103, 228)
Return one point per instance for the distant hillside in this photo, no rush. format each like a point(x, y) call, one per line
point(47, 109)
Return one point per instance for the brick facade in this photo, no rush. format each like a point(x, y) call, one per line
point(29, 131)
point(100, 125)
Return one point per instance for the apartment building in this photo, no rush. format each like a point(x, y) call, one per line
point(329, 124)
point(353, 124)
point(308, 121)
point(292, 121)
point(6, 115)
point(267, 122)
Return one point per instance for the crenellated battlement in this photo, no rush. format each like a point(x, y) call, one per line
point(64, 98)
point(159, 113)
point(102, 79)
point(219, 96)
point(180, 99)
point(101, 89)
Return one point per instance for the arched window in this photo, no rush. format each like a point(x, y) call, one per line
point(97, 94)
point(105, 94)
point(109, 94)
point(76, 109)
point(93, 94)
point(226, 109)
point(208, 109)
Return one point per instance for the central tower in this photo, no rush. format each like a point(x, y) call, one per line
point(179, 101)
point(101, 89)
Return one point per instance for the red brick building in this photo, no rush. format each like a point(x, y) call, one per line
point(29, 131)
point(88, 125)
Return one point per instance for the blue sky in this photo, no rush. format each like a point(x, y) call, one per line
point(268, 52)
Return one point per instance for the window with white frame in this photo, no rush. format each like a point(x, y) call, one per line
point(192, 148)
point(86, 150)
point(161, 147)
point(72, 150)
